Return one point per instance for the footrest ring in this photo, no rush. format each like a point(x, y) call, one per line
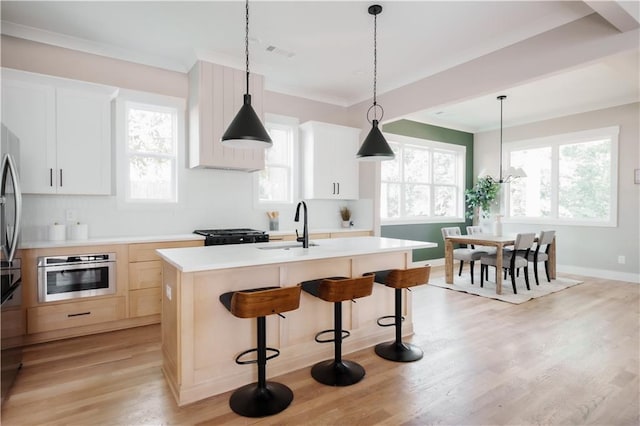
point(345, 334)
point(275, 353)
point(386, 317)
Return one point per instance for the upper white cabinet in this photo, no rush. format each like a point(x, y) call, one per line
point(330, 167)
point(215, 97)
point(64, 129)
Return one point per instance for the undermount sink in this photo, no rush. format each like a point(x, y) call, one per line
point(277, 246)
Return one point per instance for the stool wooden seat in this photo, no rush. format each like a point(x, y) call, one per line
point(261, 398)
point(338, 372)
point(398, 279)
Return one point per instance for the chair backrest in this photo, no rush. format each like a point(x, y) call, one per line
point(253, 304)
point(524, 241)
point(546, 237)
point(403, 278)
point(471, 230)
point(345, 289)
point(450, 232)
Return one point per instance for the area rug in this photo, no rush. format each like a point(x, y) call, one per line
point(463, 284)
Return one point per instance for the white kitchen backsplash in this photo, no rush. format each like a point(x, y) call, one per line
point(208, 199)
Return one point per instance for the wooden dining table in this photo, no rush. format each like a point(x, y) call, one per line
point(499, 242)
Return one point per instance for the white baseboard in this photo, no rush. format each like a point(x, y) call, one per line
point(567, 269)
point(600, 273)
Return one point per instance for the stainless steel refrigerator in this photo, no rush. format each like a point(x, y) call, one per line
point(13, 316)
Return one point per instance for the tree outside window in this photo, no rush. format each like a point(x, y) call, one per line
point(571, 178)
point(151, 150)
point(423, 182)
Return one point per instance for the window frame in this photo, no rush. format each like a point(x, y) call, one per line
point(126, 100)
point(555, 142)
point(431, 146)
point(290, 124)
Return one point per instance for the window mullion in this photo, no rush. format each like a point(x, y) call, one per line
point(555, 180)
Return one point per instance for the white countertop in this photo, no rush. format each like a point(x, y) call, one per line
point(109, 240)
point(194, 259)
point(155, 238)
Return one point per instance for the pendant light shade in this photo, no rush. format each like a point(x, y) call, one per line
point(375, 146)
point(246, 129)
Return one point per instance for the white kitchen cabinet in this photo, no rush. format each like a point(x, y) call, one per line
point(215, 97)
point(28, 110)
point(330, 167)
point(64, 129)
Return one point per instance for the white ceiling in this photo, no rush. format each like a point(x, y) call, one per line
point(324, 49)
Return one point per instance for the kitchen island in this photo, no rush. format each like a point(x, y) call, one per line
point(200, 338)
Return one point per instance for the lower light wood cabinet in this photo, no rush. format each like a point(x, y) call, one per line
point(76, 314)
point(321, 235)
point(137, 300)
point(145, 276)
point(146, 301)
point(351, 234)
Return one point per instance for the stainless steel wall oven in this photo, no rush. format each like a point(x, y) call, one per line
point(69, 277)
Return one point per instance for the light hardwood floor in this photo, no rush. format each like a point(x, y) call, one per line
point(566, 358)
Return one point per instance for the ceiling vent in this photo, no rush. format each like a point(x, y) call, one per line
point(281, 52)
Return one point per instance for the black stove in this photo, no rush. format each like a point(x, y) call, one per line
point(215, 237)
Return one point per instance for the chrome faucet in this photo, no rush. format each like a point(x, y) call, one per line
point(305, 231)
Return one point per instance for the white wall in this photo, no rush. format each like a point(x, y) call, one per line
point(582, 249)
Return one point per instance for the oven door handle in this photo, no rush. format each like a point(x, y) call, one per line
point(76, 266)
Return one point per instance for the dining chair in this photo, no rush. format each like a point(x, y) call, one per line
point(462, 254)
point(511, 260)
point(541, 253)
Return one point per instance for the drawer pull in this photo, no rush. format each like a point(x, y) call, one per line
point(79, 314)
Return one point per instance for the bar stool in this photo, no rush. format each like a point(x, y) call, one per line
point(336, 371)
point(261, 398)
point(398, 279)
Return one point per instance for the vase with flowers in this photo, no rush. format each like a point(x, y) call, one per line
point(345, 214)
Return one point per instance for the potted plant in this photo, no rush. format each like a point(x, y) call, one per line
point(345, 214)
point(481, 196)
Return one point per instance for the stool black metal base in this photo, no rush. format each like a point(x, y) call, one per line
point(399, 351)
point(255, 401)
point(341, 373)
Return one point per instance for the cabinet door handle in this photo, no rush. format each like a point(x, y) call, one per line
point(338, 188)
point(60, 177)
point(78, 314)
point(51, 177)
point(334, 188)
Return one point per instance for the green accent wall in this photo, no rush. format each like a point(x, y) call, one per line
point(429, 231)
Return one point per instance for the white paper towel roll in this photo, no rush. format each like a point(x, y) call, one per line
point(79, 231)
point(57, 232)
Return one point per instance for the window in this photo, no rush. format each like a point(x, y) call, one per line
point(150, 141)
point(425, 182)
point(151, 151)
point(276, 181)
point(571, 178)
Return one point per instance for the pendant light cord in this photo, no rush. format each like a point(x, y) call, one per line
point(375, 10)
point(375, 62)
point(246, 42)
point(501, 98)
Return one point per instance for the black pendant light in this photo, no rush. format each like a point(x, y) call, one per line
point(246, 130)
point(375, 147)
